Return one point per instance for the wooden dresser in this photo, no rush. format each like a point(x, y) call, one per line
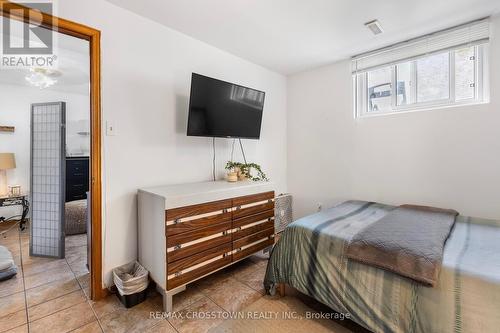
point(189, 231)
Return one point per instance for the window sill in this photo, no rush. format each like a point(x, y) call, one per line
point(417, 109)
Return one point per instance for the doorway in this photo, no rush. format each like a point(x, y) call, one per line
point(35, 17)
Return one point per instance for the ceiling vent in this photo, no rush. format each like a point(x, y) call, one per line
point(374, 27)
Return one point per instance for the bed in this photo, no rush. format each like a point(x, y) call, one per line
point(76, 217)
point(310, 256)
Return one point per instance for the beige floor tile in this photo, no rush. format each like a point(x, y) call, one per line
point(28, 260)
point(38, 279)
point(51, 290)
point(135, 319)
point(13, 320)
point(76, 250)
point(86, 291)
point(163, 327)
point(79, 267)
point(185, 323)
point(83, 278)
point(19, 329)
point(92, 327)
point(76, 257)
point(47, 308)
point(243, 267)
point(17, 261)
point(191, 295)
point(12, 285)
point(48, 265)
point(232, 295)
point(13, 247)
point(12, 303)
point(76, 240)
point(260, 258)
point(254, 279)
point(213, 281)
point(106, 306)
point(65, 320)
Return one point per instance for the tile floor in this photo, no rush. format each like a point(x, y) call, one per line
point(35, 301)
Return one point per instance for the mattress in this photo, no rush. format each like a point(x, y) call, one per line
point(310, 256)
point(76, 217)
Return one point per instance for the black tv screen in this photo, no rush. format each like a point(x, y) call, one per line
point(222, 109)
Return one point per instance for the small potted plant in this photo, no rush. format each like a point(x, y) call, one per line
point(244, 171)
point(232, 174)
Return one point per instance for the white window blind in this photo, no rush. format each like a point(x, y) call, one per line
point(470, 34)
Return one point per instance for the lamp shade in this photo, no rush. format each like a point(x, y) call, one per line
point(7, 161)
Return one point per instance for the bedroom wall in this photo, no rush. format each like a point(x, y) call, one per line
point(146, 73)
point(15, 111)
point(447, 158)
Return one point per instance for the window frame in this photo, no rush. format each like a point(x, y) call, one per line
point(481, 86)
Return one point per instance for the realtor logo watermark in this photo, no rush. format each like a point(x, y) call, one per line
point(27, 45)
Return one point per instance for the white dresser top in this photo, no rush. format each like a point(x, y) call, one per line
point(194, 193)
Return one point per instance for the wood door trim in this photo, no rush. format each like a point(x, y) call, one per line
point(92, 35)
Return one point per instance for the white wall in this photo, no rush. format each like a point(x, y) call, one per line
point(15, 111)
point(146, 72)
point(448, 158)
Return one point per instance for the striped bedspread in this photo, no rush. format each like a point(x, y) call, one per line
point(310, 256)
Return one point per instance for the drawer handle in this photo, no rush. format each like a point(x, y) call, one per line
point(238, 207)
point(224, 211)
point(270, 201)
point(179, 273)
point(177, 221)
point(177, 247)
point(269, 219)
point(238, 249)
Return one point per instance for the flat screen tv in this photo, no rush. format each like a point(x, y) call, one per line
point(222, 109)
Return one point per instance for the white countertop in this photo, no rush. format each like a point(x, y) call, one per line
point(180, 195)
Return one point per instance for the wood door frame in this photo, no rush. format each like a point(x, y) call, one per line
point(93, 36)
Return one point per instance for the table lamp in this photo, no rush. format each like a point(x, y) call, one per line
point(7, 161)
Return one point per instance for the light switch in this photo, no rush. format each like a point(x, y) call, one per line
point(110, 128)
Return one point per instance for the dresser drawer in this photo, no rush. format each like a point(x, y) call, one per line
point(77, 167)
point(265, 215)
point(253, 238)
point(196, 272)
point(192, 223)
point(198, 234)
point(249, 229)
point(252, 248)
point(197, 211)
point(204, 245)
point(252, 204)
point(196, 259)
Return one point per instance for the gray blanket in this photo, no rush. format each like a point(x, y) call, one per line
point(408, 241)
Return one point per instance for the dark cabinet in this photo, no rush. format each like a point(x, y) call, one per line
point(77, 178)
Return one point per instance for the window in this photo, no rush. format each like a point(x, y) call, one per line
point(446, 76)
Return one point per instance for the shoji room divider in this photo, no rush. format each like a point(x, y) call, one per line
point(48, 160)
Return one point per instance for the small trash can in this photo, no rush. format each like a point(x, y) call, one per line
point(131, 281)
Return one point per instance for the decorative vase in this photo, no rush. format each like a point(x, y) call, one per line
point(232, 177)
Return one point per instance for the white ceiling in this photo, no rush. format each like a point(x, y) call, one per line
point(290, 36)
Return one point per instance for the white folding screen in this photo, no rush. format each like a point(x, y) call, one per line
point(48, 160)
